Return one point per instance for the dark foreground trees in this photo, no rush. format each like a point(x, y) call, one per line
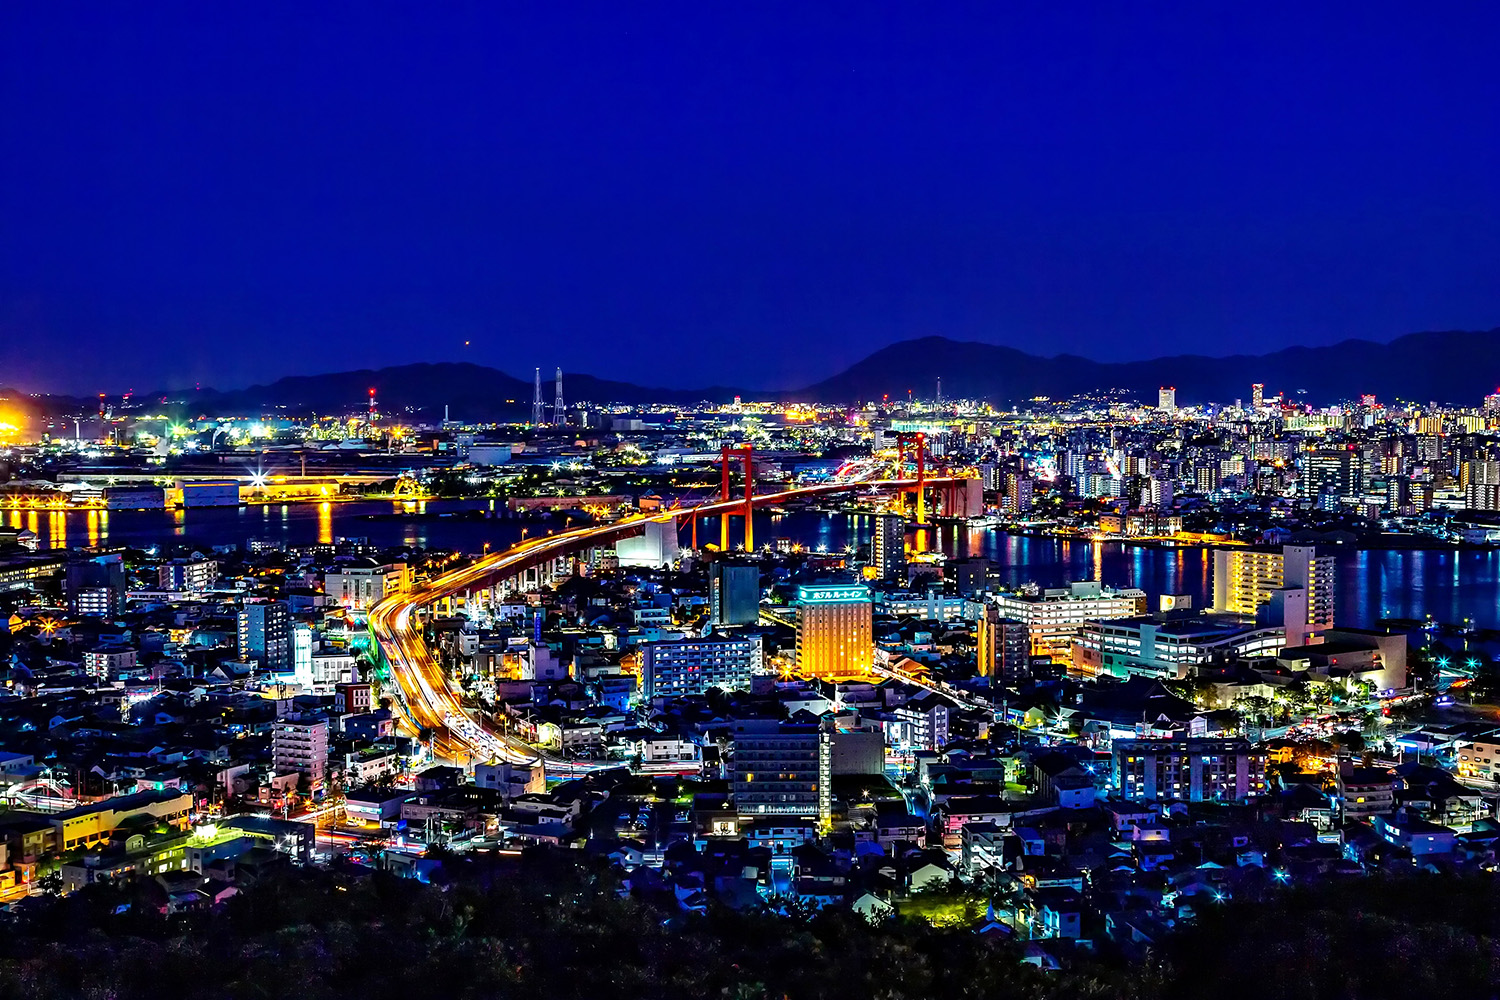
point(547, 926)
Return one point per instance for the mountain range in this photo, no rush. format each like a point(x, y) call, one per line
point(1457, 367)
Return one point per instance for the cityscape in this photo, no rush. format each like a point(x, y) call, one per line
point(508, 664)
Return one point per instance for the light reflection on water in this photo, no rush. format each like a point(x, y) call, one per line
point(1448, 584)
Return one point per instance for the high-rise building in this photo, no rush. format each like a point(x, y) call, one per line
point(1398, 494)
point(1018, 494)
point(734, 593)
point(1329, 475)
point(1480, 480)
point(692, 666)
point(835, 635)
point(1257, 397)
point(1158, 493)
point(1166, 399)
point(888, 547)
point(300, 744)
point(265, 633)
point(1293, 587)
point(782, 768)
point(1004, 647)
point(95, 586)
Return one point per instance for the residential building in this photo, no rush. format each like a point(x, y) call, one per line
point(1004, 646)
point(1188, 770)
point(781, 768)
point(692, 666)
point(888, 548)
point(95, 586)
point(301, 745)
point(1292, 587)
point(104, 662)
point(265, 636)
point(188, 575)
point(1364, 792)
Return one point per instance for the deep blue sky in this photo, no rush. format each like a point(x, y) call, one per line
point(732, 192)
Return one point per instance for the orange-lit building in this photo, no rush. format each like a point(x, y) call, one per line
point(835, 636)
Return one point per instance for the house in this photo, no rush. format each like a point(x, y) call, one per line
point(1056, 913)
point(1416, 835)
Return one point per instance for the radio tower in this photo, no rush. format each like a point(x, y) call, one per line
point(557, 404)
point(537, 416)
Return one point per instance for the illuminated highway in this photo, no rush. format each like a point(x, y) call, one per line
point(429, 700)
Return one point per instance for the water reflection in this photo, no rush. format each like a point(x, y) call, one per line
point(1449, 585)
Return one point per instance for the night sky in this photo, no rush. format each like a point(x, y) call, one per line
point(734, 192)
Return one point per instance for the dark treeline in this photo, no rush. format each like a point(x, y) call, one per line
point(548, 927)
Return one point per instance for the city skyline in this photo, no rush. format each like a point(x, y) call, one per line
point(877, 502)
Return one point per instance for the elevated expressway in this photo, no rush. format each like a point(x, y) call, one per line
point(428, 701)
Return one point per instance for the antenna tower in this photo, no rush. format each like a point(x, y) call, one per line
point(557, 404)
point(537, 415)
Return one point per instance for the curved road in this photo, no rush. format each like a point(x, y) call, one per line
point(429, 700)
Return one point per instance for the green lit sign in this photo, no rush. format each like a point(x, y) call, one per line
point(822, 594)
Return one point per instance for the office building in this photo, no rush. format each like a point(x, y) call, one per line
point(1329, 477)
point(734, 593)
point(1004, 647)
point(95, 586)
point(933, 606)
point(300, 744)
point(888, 548)
point(1257, 397)
point(364, 583)
point(1293, 588)
point(970, 575)
point(692, 666)
point(782, 768)
point(1166, 399)
point(1188, 770)
point(302, 655)
point(265, 634)
point(1054, 618)
point(835, 635)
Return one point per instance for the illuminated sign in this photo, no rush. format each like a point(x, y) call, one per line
point(817, 594)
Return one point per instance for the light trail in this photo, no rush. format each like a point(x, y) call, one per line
point(428, 699)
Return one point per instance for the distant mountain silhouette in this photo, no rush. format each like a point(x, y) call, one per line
point(1454, 367)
